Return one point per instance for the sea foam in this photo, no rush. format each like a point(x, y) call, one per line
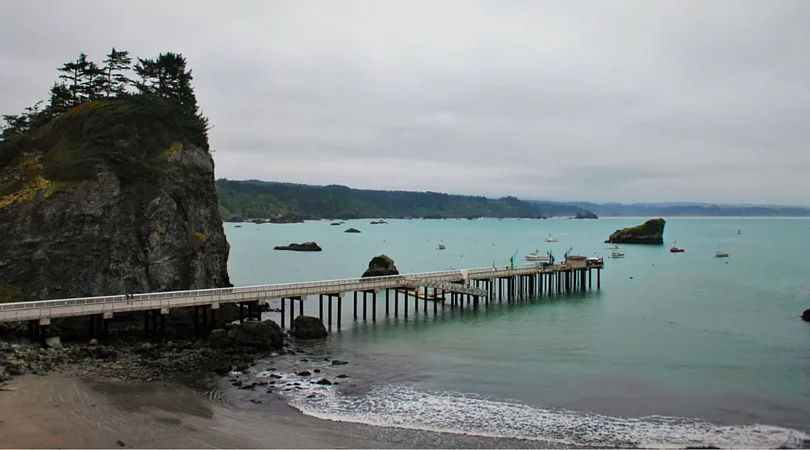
point(451, 412)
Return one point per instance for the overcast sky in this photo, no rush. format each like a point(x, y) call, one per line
point(575, 100)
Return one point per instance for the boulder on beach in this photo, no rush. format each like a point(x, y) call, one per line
point(352, 230)
point(806, 315)
point(308, 327)
point(650, 232)
point(380, 266)
point(264, 335)
point(305, 247)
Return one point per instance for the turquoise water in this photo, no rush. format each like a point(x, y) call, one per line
point(674, 349)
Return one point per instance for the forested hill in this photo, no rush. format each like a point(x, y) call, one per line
point(261, 199)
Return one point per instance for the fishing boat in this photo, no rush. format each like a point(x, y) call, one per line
point(675, 248)
point(441, 245)
point(551, 238)
point(616, 254)
point(720, 253)
point(536, 256)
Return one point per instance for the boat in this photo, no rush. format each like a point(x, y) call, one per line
point(616, 253)
point(441, 245)
point(612, 247)
point(551, 239)
point(720, 253)
point(536, 256)
point(675, 248)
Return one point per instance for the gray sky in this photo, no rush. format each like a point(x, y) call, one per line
point(578, 100)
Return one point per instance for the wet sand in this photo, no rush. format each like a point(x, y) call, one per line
point(59, 412)
point(55, 412)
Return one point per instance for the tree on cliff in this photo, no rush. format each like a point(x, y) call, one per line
point(82, 80)
point(167, 77)
point(117, 64)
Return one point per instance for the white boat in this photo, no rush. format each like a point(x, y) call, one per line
point(616, 254)
point(720, 253)
point(441, 245)
point(612, 247)
point(536, 256)
point(551, 239)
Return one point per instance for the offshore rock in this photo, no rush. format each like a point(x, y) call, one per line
point(308, 327)
point(806, 315)
point(650, 232)
point(305, 247)
point(380, 266)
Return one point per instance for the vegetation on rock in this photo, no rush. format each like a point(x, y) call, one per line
point(650, 232)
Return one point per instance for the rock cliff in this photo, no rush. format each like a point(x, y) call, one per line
point(111, 197)
point(650, 232)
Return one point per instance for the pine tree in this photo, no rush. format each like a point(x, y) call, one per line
point(91, 81)
point(61, 98)
point(115, 67)
point(70, 73)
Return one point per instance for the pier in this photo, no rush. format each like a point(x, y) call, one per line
point(466, 288)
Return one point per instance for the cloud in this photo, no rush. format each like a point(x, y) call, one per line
point(591, 100)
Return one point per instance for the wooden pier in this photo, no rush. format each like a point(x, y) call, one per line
point(469, 288)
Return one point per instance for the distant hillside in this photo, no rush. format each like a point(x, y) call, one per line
point(262, 199)
point(691, 209)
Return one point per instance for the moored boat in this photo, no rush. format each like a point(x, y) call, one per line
point(616, 254)
point(550, 239)
point(720, 253)
point(675, 248)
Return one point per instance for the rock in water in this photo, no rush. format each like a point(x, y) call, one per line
point(305, 247)
point(114, 196)
point(352, 230)
point(650, 232)
point(806, 315)
point(380, 266)
point(265, 335)
point(308, 327)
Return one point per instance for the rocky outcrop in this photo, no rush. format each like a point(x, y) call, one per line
point(381, 266)
point(106, 200)
point(308, 327)
point(650, 232)
point(265, 335)
point(806, 315)
point(586, 215)
point(305, 247)
point(352, 230)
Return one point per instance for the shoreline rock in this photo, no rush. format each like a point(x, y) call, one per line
point(308, 327)
point(304, 247)
point(650, 232)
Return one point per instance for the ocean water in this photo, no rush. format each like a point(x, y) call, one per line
point(674, 350)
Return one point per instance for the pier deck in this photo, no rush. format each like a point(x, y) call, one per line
point(472, 285)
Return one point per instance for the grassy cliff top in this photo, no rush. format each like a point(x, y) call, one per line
point(130, 136)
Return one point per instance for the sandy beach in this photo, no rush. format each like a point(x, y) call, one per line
point(57, 412)
point(60, 412)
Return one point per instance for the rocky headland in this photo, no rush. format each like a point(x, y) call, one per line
point(650, 232)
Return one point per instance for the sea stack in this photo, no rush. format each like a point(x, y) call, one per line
point(380, 266)
point(806, 315)
point(650, 232)
point(113, 195)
